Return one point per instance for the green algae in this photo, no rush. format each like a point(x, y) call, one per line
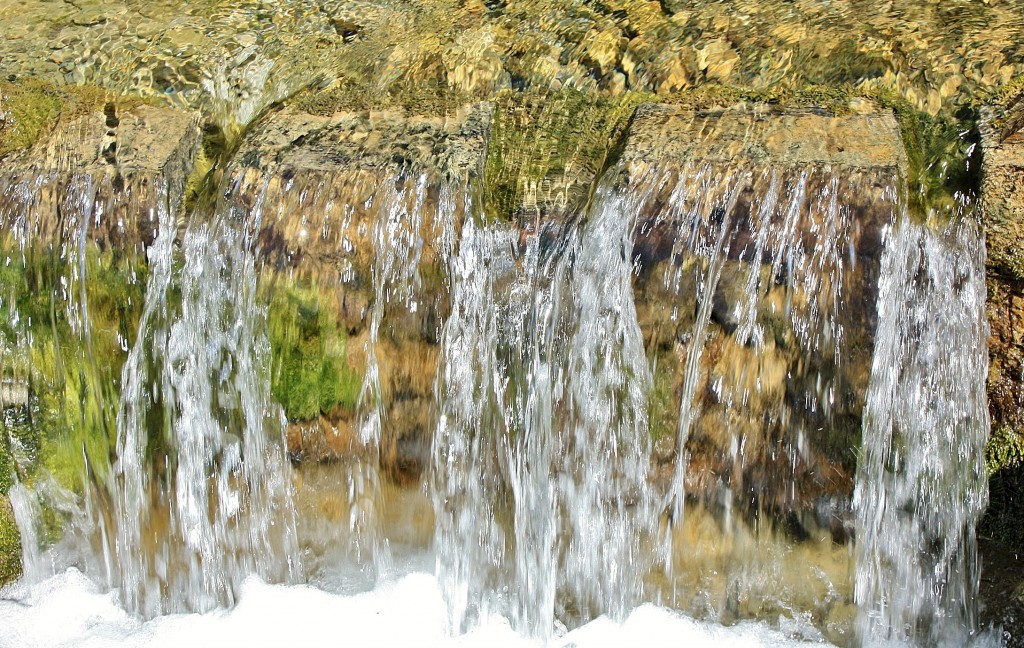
point(1004, 462)
point(310, 370)
point(1000, 102)
point(71, 366)
point(832, 99)
point(551, 143)
point(662, 411)
point(1005, 450)
point(27, 110)
point(10, 544)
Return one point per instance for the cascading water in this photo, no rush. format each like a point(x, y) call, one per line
point(921, 484)
point(402, 203)
point(711, 200)
point(548, 507)
point(745, 272)
point(544, 396)
point(212, 504)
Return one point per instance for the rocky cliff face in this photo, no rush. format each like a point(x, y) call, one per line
point(101, 175)
point(1003, 202)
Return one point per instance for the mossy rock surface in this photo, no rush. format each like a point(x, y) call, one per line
point(311, 375)
point(547, 150)
point(30, 108)
point(10, 544)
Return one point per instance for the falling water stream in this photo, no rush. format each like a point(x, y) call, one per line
point(542, 389)
point(224, 477)
point(921, 482)
point(550, 521)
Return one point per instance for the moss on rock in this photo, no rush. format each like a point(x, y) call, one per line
point(30, 107)
point(73, 397)
point(10, 544)
point(1004, 461)
point(546, 150)
point(311, 374)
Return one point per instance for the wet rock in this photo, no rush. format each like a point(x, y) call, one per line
point(758, 246)
point(352, 212)
point(548, 151)
point(114, 167)
point(602, 49)
point(1002, 186)
point(10, 544)
point(717, 59)
point(1002, 591)
point(310, 174)
point(1003, 207)
point(781, 137)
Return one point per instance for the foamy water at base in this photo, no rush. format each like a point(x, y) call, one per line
point(70, 610)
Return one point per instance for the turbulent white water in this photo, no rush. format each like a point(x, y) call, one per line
point(70, 610)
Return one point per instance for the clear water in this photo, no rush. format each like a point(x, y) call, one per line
point(921, 484)
point(543, 514)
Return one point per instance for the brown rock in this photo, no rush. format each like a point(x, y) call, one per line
point(1003, 204)
point(359, 207)
point(104, 172)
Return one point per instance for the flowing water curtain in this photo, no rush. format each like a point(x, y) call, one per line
point(921, 484)
point(65, 337)
point(540, 452)
point(202, 494)
point(409, 208)
point(466, 481)
point(701, 211)
point(756, 264)
point(607, 507)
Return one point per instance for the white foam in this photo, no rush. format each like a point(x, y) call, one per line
point(69, 610)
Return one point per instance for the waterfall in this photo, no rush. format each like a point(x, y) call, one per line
point(201, 487)
point(746, 272)
point(656, 399)
point(541, 453)
point(404, 206)
point(921, 484)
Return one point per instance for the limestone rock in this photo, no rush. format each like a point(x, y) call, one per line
point(779, 137)
point(1002, 188)
point(1003, 205)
